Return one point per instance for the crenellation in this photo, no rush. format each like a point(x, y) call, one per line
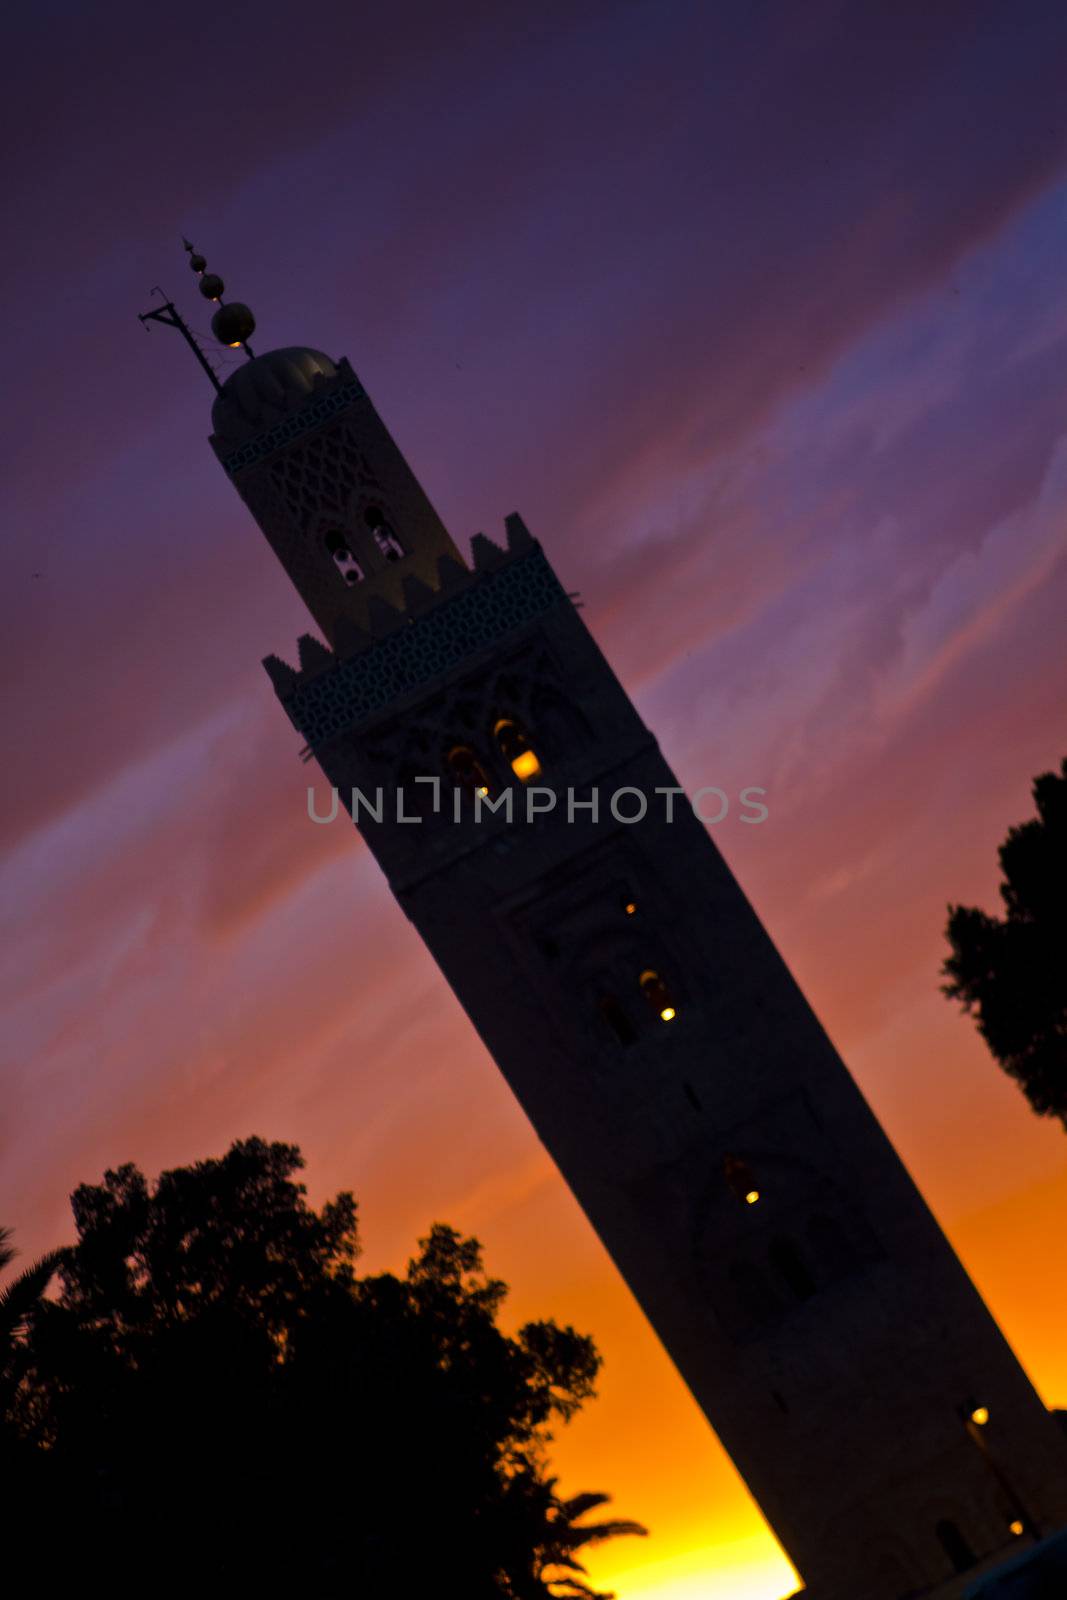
point(486, 555)
point(314, 656)
point(418, 596)
point(519, 537)
point(451, 574)
point(383, 617)
point(284, 677)
point(350, 639)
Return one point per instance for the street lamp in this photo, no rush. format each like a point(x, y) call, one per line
point(976, 1420)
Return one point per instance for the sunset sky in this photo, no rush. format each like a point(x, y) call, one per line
point(758, 314)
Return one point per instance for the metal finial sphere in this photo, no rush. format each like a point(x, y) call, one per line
point(197, 261)
point(233, 324)
point(211, 286)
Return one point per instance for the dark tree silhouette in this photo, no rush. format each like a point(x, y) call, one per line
point(1011, 972)
point(19, 1301)
point(216, 1400)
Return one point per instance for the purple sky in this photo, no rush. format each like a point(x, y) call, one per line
point(756, 313)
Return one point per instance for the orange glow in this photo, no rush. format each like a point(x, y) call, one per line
point(258, 977)
point(752, 1196)
point(668, 1013)
point(1016, 1528)
point(980, 1416)
point(526, 765)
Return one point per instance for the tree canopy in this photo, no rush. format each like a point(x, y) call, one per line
point(217, 1399)
point(1010, 972)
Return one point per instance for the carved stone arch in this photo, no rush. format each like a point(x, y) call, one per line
point(557, 721)
point(892, 1567)
point(953, 1533)
point(774, 1231)
point(830, 1243)
point(364, 474)
point(758, 1297)
point(417, 796)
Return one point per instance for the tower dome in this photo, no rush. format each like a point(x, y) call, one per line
point(262, 391)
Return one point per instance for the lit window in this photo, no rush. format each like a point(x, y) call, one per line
point(384, 534)
point(514, 745)
point(343, 559)
point(658, 995)
point(980, 1416)
point(466, 771)
point(629, 908)
point(741, 1180)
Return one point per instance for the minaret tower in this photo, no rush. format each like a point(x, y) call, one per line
point(633, 1001)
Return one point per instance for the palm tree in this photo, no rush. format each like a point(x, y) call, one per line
point(558, 1567)
point(21, 1297)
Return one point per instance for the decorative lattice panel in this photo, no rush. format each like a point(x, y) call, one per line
point(311, 415)
point(316, 480)
point(490, 608)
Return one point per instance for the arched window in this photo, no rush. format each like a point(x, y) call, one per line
point(416, 797)
point(755, 1297)
point(617, 1020)
point(343, 559)
point(791, 1268)
point(658, 995)
point(514, 745)
point(955, 1546)
point(561, 727)
point(830, 1246)
point(384, 533)
point(741, 1179)
point(466, 771)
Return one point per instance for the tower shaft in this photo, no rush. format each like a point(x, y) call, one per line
point(639, 1011)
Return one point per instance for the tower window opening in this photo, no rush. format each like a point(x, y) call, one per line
point(831, 1246)
point(385, 536)
point(343, 559)
point(617, 1020)
point(514, 745)
point(741, 1180)
point(955, 1546)
point(466, 771)
point(658, 995)
point(792, 1269)
point(754, 1296)
point(629, 908)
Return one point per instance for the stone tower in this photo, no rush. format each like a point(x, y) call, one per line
point(639, 1011)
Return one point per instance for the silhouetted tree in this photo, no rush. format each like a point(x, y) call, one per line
point(19, 1300)
point(217, 1397)
point(565, 1535)
point(1011, 972)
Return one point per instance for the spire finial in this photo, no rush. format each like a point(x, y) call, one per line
point(232, 324)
